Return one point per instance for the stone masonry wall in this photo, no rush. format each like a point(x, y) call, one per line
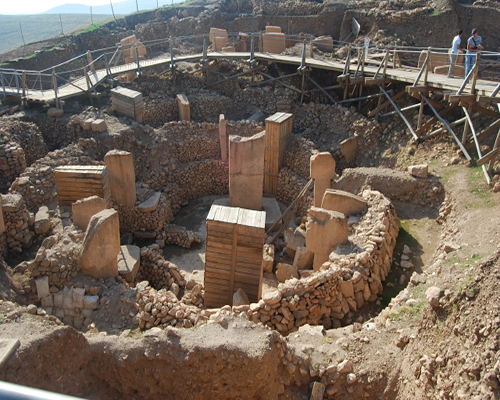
point(17, 221)
point(12, 163)
point(343, 284)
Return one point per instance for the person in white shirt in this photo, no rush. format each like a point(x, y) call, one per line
point(455, 49)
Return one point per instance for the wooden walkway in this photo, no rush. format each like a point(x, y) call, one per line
point(406, 75)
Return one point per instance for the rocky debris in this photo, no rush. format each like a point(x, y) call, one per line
point(36, 184)
point(179, 236)
point(129, 260)
point(292, 242)
point(99, 125)
point(42, 221)
point(303, 258)
point(290, 185)
point(150, 204)
point(27, 135)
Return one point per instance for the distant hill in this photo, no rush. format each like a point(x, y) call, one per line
point(40, 27)
point(120, 7)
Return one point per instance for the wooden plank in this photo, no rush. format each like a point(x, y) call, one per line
point(486, 111)
point(455, 98)
point(376, 81)
point(233, 265)
point(487, 157)
point(484, 134)
point(386, 103)
point(417, 89)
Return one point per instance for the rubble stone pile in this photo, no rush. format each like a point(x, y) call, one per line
point(134, 219)
point(12, 163)
point(158, 111)
point(18, 222)
point(36, 184)
point(344, 283)
point(203, 178)
point(289, 186)
point(179, 236)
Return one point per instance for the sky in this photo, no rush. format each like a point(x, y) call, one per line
point(38, 6)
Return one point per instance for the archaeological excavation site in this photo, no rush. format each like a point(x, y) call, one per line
point(254, 200)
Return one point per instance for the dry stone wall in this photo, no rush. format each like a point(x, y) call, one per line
point(18, 221)
point(27, 135)
point(12, 163)
point(344, 283)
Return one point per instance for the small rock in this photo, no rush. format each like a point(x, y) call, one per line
point(433, 294)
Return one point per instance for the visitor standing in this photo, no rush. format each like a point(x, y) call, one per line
point(474, 44)
point(455, 49)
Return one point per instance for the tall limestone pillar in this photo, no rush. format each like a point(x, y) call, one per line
point(322, 166)
point(121, 174)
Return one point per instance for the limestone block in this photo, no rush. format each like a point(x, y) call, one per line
point(318, 391)
point(121, 174)
point(349, 148)
point(246, 171)
point(150, 203)
point(223, 137)
point(303, 258)
point(87, 124)
point(67, 298)
point(240, 298)
point(42, 221)
point(86, 313)
point(47, 301)
point(42, 287)
point(228, 49)
point(343, 202)
point(129, 260)
point(292, 242)
point(346, 288)
point(72, 312)
point(286, 271)
point(418, 171)
point(273, 29)
point(101, 245)
point(59, 313)
point(11, 202)
point(322, 167)
point(325, 230)
point(84, 209)
point(78, 294)
point(55, 112)
point(184, 110)
point(268, 258)
point(58, 300)
point(99, 125)
point(90, 302)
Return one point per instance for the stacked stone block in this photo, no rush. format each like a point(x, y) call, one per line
point(12, 163)
point(17, 221)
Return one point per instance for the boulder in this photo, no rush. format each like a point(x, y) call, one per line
point(240, 298)
point(129, 261)
point(433, 294)
point(55, 112)
point(42, 287)
point(292, 242)
point(418, 171)
point(101, 245)
point(84, 209)
point(151, 203)
point(286, 271)
point(99, 125)
point(303, 258)
point(343, 202)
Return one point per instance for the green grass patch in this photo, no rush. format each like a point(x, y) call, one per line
point(411, 312)
point(435, 13)
point(482, 196)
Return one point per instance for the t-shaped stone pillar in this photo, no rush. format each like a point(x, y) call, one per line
point(120, 166)
point(325, 230)
point(246, 171)
point(223, 138)
point(322, 166)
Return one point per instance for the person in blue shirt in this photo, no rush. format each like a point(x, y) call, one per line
point(455, 49)
point(474, 44)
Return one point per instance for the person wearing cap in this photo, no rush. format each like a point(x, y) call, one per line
point(455, 49)
point(474, 44)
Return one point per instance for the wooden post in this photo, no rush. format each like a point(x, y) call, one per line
point(363, 61)
point(311, 50)
point(394, 59)
point(427, 65)
point(475, 74)
point(261, 43)
point(466, 125)
point(89, 61)
point(54, 84)
point(420, 114)
point(386, 62)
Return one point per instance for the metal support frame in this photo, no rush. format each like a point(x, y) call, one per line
point(424, 67)
point(478, 147)
point(3, 85)
point(464, 83)
point(230, 77)
point(448, 128)
point(139, 72)
point(402, 109)
point(371, 96)
point(399, 112)
point(17, 81)
point(279, 81)
point(323, 91)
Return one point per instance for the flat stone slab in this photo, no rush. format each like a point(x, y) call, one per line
point(11, 202)
point(129, 261)
point(269, 205)
point(151, 203)
point(7, 348)
point(42, 221)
